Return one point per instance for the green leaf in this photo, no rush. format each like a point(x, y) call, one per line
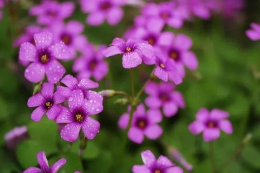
point(252, 156)
point(91, 152)
point(3, 109)
point(73, 163)
point(102, 163)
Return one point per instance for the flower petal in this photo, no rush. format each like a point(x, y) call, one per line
point(178, 98)
point(53, 112)
point(54, 71)
point(226, 126)
point(42, 160)
point(154, 116)
point(153, 132)
point(131, 60)
point(70, 81)
point(90, 127)
point(170, 109)
point(47, 90)
point(211, 134)
point(196, 127)
point(94, 104)
point(183, 42)
point(123, 121)
point(27, 52)
point(34, 72)
point(37, 114)
point(140, 169)
point(32, 170)
point(43, 39)
point(148, 158)
point(96, 18)
point(161, 74)
point(65, 116)
point(111, 51)
point(190, 60)
point(115, 15)
point(166, 39)
point(35, 100)
point(217, 114)
point(76, 99)
point(148, 53)
point(202, 114)
point(253, 35)
point(57, 165)
point(151, 88)
point(86, 84)
point(153, 102)
point(60, 51)
point(164, 162)
point(135, 135)
point(70, 132)
point(175, 169)
point(63, 91)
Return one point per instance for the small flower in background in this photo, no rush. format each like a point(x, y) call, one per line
point(101, 10)
point(78, 117)
point(231, 8)
point(27, 35)
point(200, 8)
point(151, 165)
point(91, 63)
point(134, 52)
point(1, 5)
point(254, 33)
point(163, 96)
point(43, 57)
point(166, 68)
point(72, 84)
point(143, 124)
point(179, 158)
point(166, 12)
point(49, 12)
point(71, 35)
point(46, 102)
point(210, 123)
point(177, 48)
point(16, 136)
point(44, 166)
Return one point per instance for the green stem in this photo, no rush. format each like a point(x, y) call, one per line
point(133, 107)
point(146, 83)
point(132, 82)
point(212, 161)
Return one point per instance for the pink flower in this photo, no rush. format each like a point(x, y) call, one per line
point(210, 123)
point(134, 52)
point(46, 102)
point(101, 10)
point(16, 136)
point(153, 165)
point(44, 166)
point(44, 57)
point(91, 63)
point(163, 96)
point(70, 34)
point(254, 33)
point(143, 124)
point(78, 117)
point(27, 36)
point(49, 12)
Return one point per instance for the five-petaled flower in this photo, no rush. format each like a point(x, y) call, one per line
point(254, 33)
point(210, 123)
point(134, 52)
point(44, 58)
point(44, 166)
point(153, 165)
point(143, 124)
point(78, 117)
point(46, 102)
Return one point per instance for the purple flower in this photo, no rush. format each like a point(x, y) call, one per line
point(231, 8)
point(43, 162)
point(166, 68)
point(163, 95)
point(46, 102)
point(43, 57)
point(16, 136)
point(200, 8)
point(177, 49)
point(78, 117)
point(178, 156)
point(210, 124)
point(151, 165)
point(70, 34)
point(254, 33)
point(91, 64)
point(166, 12)
point(50, 12)
point(134, 52)
point(143, 124)
point(101, 10)
point(72, 84)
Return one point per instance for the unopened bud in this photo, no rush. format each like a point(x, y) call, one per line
point(107, 93)
point(121, 101)
point(37, 88)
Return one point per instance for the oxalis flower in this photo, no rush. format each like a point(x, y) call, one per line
point(46, 102)
point(134, 52)
point(163, 96)
point(44, 58)
point(44, 166)
point(72, 84)
point(153, 165)
point(254, 33)
point(78, 117)
point(210, 124)
point(143, 124)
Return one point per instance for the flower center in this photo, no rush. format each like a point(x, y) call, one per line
point(211, 124)
point(128, 49)
point(165, 15)
point(164, 97)
point(151, 41)
point(79, 117)
point(174, 55)
point(66, 39)
point(162, 65)
point(92, 65)
point(105, 6)
point(141, 123)
point(48, 105)
point(45, 58)
point(157, 171)
point(52, 13)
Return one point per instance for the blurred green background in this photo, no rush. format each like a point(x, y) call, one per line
point(227, 78)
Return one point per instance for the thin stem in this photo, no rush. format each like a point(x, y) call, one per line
point(146, 83)
point(125, 94)
point(132, 82)
point(236, 153)
point(212, 161)
point(133, 107)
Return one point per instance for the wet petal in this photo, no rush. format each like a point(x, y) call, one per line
point(111, 51)
point(47, 90)
point(94, 104)
point(57, 165)
point(140, 169)
point(33, 170)
point(70, 81)
point(43, 39)
point(131, 60)
point(35, 100)
point(42, 160)
point(65, 116)
point(34, 72)
point(60, 51)
point(148, 158)
point(76, 99)
point(37, 114)
point(53, 112)
point(70, 132)
point(90, 127)
point(63, 91)
point(27, 52)
point(86, 84)
point(54, 71)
